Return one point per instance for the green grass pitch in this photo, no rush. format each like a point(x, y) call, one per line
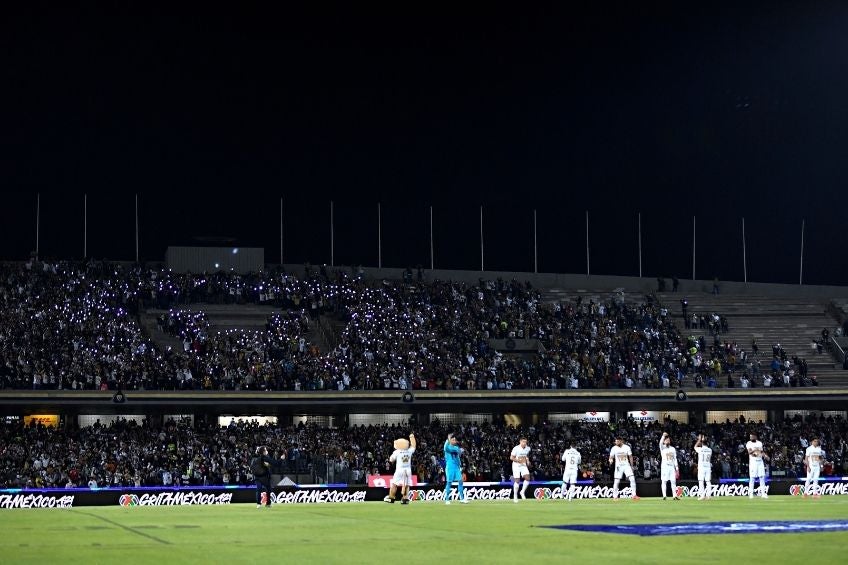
point(421, 532)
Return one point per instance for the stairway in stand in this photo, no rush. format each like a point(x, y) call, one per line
point(792, 322)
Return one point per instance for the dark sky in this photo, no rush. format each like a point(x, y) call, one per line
point(212, 114)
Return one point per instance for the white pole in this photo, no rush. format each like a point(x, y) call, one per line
point(693, 248)
point(84, 226)
point(379, 236)
point(587, 243)
point(801, 275)
point(432, 263)
point(744, 254)
point(281, 232)
point(481, 240)
point(640, 245)
point(37, 224)
point(332, 238)
point(535, 246)
point(136, 228)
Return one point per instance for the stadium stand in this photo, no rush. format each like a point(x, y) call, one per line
point(174, 453)
point(793, 324)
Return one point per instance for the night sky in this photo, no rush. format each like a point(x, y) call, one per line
point(211, 115)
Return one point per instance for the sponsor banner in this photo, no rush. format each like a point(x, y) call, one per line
point(178, 498)
point(319, 496)
point(48, 420)
point(493, 491)
point(341, 494)
point(383, 481)
point(723, 490)
point(644, 416)
point(36, 500)
point(580, 491)
point(824, 489)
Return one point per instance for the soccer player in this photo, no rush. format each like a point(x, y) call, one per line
point(812, 461)
point(520, 458)
point(402, 457)
point(705, 468)
point(572, 459)
point(622, 456)
point(453, 469)
point(755, 466)
point(668, 468)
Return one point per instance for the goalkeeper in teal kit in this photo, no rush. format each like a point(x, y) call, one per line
point(453, 469)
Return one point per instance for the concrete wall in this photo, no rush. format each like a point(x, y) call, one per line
point(609, 283)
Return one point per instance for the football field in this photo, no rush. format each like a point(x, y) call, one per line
point(421, 532)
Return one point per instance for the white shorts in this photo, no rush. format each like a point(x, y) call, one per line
point(623, 471)
point(570, 476)
point(402, 477)
point(667, 473)
point(705, 473)
point(519, 470)
point(756, 469)
point(814, 473)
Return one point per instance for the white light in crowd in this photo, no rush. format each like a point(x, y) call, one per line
point(235, 250)
point(217, 265)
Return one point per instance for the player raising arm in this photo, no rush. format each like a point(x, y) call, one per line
point(622, 457)
point(402, 457)
point(668, 470)
point(453, 469)
point(705, 469)
point(572, 459)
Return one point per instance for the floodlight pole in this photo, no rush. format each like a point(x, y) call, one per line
point(482, 266)
point(587, 243)
point(432, 262)
point(640, 244)
point(535, 246)
point(84, 226)
point(136, 228)
point(693, 248)
point(744, 254)
point(801, 274)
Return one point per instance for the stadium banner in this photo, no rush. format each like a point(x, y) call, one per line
point(644, 415)
point(329, 494)
point(47, 420)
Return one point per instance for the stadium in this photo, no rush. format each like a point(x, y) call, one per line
point(647, 365)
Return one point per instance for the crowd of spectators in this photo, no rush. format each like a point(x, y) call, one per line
point(75, 326)
point(127, 453)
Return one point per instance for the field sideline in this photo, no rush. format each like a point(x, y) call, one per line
point(422, 532)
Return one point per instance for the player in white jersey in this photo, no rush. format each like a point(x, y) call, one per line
point(669, 470)
point(402, 457)
point(756, 469)
point(572, 459)
point(812, 461)
point(520, 458)
point(622, 456)
point(705, 466)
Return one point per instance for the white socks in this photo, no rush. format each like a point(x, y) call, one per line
point(615, 488)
